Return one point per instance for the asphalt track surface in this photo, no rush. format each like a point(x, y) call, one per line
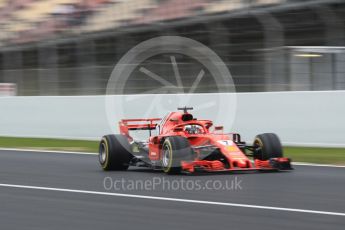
point(40, 207)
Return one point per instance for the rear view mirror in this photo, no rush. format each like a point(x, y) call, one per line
point(178, 129)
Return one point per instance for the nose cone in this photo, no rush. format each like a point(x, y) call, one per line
point(241, 163)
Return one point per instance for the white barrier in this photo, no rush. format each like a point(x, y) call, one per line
point(299, 118)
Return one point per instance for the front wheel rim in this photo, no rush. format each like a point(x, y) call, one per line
point(258, 147)
point(166, 156)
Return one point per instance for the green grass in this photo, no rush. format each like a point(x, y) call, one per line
point(301, 154)
point(316, 155)
point(49, 144)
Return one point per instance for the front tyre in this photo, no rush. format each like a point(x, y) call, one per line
point(174, 150)
point(267, 145)
point(114, 152)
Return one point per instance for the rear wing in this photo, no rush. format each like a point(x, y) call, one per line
point(127, 125)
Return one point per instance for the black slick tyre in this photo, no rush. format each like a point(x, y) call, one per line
point(174, 150)
point(114, 152)
point(267, 145)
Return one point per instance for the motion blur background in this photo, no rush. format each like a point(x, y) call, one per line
point(69, 47)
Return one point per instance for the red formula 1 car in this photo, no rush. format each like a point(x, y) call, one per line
point(186, 144)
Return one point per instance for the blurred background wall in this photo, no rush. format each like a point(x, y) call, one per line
point(69, 47)
point(314, 118)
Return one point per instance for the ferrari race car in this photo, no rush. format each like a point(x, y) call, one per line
point(186, 144)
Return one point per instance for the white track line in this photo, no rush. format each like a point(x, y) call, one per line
point(46, 151)
point(317, 165)
point(174, 199)
point(89, 153)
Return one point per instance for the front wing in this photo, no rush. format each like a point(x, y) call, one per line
point(273, 164)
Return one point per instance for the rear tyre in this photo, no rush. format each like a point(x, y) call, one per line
point(267, 145)
point(114, 152)
point(174, 150)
